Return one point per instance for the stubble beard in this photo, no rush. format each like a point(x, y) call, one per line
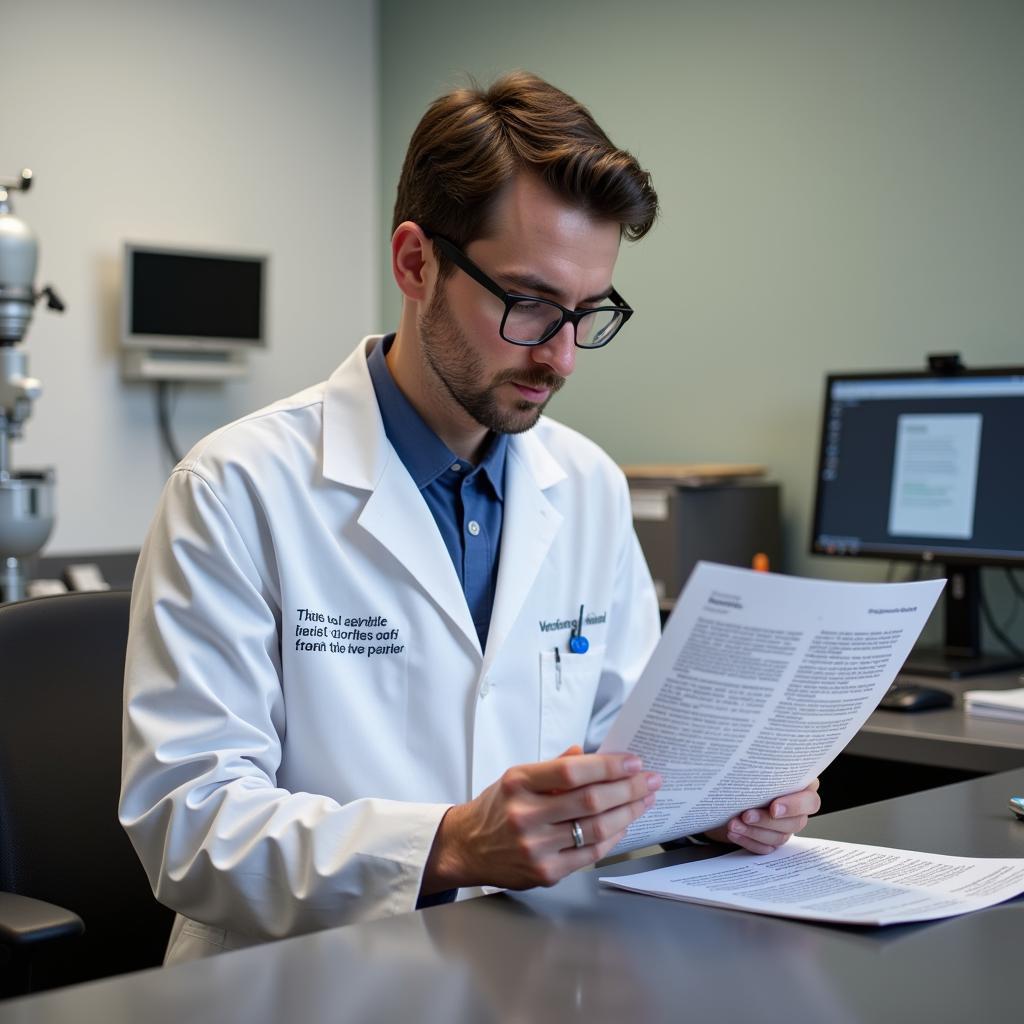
point(459, 369)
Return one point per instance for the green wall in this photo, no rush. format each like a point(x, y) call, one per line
point(842, 187)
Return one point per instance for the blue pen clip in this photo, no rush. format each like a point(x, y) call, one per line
point(578, 643)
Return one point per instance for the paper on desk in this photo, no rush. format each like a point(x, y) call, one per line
point(1006, 704)
point(844, 883)
point(758, 682)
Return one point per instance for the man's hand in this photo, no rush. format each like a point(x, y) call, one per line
point(764, 829)
point(518, 833)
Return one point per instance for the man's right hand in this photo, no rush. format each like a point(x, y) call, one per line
point(518, 833)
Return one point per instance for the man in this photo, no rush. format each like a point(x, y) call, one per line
point(356, 681)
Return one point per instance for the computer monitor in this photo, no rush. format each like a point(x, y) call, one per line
point(927, 467)
point(190, 312)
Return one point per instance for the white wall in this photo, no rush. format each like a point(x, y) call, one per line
point(246, 124)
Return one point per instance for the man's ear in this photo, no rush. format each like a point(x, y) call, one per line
point(412, 261)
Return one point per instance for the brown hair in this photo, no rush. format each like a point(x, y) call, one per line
point(471, 142)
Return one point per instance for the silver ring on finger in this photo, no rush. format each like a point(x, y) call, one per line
point(577, 835)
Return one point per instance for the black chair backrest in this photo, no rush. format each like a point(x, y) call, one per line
point(61, 680)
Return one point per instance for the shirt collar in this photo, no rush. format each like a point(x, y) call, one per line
point(493, 464)
point(422, 452)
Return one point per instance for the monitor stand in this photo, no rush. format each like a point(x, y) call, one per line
point(962, 654)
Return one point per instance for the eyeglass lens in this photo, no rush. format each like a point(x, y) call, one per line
point(533, 321)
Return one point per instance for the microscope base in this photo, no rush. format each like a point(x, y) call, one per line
point(26, 522)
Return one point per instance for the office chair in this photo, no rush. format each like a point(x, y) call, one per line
point(61, 676)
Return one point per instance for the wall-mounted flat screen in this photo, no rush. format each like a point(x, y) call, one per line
point(178, 298)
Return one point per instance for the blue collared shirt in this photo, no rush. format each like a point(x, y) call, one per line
point(466, 501)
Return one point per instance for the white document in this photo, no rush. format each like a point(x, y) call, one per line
point(844, 883)
point(935, 475)
point(759, 681)
point(1006, 704)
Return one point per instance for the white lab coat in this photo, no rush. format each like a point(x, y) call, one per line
point(288, 753)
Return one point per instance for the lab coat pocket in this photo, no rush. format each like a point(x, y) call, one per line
point(568, 686)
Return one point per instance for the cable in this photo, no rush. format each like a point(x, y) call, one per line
point(163, 418)
point(994, 626)
point(1018, 597)
point(1012, 617)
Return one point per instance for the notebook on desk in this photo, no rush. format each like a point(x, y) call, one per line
point(1005, 704)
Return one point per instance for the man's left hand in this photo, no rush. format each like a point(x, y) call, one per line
point(763, 829)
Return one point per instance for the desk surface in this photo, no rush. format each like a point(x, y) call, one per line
point(946, 738)
point(579, 951)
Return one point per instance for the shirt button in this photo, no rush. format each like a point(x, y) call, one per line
point(473, 526)
point(456, 468)
point(485, 688)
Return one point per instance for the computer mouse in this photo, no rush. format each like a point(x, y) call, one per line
point(911, 697)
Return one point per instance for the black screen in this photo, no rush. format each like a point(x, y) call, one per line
point(916, 466)
point(196, 296)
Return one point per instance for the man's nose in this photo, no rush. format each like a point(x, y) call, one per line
point(558, 352)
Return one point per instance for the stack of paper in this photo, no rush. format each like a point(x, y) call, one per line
point(1007, 704)
point(843, 883)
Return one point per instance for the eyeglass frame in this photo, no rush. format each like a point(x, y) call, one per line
point(573, 316)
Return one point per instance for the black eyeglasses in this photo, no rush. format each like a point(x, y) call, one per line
point(529, 320)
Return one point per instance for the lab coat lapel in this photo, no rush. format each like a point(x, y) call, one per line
point(357, 453)
point(398, 517)
point(530, 524)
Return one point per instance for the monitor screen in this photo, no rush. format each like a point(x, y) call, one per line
point(921, 466)
point(193, 298)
